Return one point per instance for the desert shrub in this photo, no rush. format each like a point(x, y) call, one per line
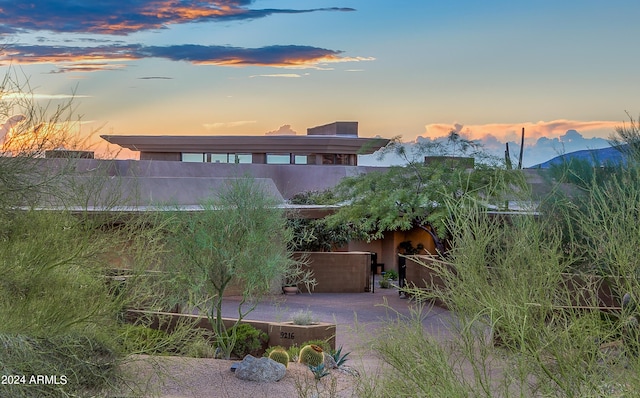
point(303, 317)
point(249, 340)
point(294, 352)
point(517, 329)
point(199, 348)
point(140, 339)
point(83, 366)
point(391, 275)
point(418, 365)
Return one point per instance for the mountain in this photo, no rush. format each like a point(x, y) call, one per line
point(597, 157)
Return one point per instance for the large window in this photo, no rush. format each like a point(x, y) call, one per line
point(217, 157)
point(240, 158)
point(278, 158)
point(193, 157)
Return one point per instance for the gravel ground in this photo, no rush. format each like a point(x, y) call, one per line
point(357, 316)
point(176, 377)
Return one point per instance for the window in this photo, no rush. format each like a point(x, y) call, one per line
point(193, 157)
point(240, 158)
point(300, 159)
point(328, 159)
point(342, 159)
point(278, 158)
point(217, 158)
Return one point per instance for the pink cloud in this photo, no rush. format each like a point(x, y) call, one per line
point(285, 129)
point(511, 131)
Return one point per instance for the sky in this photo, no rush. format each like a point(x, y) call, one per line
point(565, 70)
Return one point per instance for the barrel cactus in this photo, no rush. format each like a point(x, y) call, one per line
point(280, 356)
point(311, 355)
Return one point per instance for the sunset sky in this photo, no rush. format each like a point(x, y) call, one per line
point(414, 68)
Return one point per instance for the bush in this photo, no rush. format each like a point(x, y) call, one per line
point(249, 340)
point(303, 317)
point(82, 365)
point(139, 339)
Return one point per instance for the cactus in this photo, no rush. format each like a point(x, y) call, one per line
point(280, 356)
point(311, 355)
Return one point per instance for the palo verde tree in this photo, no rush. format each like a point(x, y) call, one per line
point(239, 237)
point(412, 196)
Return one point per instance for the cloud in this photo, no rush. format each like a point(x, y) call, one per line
point(114, 17)
point(512, 131)
point(101, 57)
point(285, 129)
point(219, 125)
point(286, 75)
point(543, 140)
point(18, 95)
point(155, 78)
point(9, 124)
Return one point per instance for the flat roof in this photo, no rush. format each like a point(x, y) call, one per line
point(248, 144)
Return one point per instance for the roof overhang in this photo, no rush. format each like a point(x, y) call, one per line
point(248, 144)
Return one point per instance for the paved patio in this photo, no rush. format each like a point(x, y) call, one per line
point(357, 315)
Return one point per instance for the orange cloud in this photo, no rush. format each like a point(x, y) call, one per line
point(511, 131)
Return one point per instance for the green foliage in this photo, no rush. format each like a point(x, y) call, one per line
point(199, 348)
point(311, 355)
point(606, 229)
point(325, 197)
point(582, 173)
point(58, 313)
point(142, 339)
point(417, 365)
point(280, 355)
point(390, 275)
point(524, 289)
point(315, 235)
point(52, 272)
point(240, 236)
point(454, 145)
point(319, 371)
point(82, 365)
point(387, 277)
point(627, 139)
point(338, 356)
point(249, 340)
point(294, 352)
point(411, 196)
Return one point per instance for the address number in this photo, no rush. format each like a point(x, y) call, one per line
point(286, 335)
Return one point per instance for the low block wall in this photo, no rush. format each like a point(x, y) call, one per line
point(589, 291)
point(340, 272)
point(284, 334)
point(421, 276)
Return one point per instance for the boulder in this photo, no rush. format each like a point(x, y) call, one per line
point(262, 369)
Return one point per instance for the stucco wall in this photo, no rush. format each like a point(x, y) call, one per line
point(340, 272)
point(289, 179)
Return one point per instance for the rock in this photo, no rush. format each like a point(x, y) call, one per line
point(263, 369)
